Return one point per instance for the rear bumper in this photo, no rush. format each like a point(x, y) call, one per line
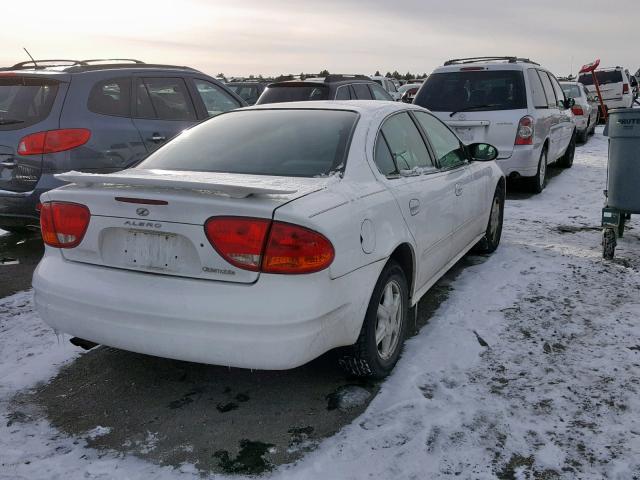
point(278, 323)
point(622, 103)
point(522, 162)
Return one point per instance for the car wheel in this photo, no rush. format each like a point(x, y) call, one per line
point(539, 181)
point(492, 235)
point(566, 161)
point(593, 127)
point(383, 331)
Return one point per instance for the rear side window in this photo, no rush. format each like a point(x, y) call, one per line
point(362, 91)
point(293, 143)
point(477, 90)
point(445, 143)
point(378, 92)
point(25, 101)
point(163, 99)
point(215, 100)
point(537, 90)
point(604, 77)
point(299, 92)
point(408, 149)
point(548, 89)
point(383, 158)
point(111, 97)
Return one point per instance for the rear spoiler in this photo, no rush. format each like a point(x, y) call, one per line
point(233, 185)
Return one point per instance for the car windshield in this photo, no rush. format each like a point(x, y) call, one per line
point(25, 101)
point(571, 91)
point(284, 142)
point(604, 77)
point(294, 92)
point(473, 90)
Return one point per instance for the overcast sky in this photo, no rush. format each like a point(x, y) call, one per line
point(343, 36)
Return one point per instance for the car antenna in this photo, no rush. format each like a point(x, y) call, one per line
point(32, 59)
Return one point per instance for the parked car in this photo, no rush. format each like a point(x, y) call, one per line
point(510, 102)
point(320, 232)
point(248, 90)
point(408, 92)
point(635, 88)
point(94, 116)
point(615, 87)
point(389, 84)
point(585, 111)
point(331, 87)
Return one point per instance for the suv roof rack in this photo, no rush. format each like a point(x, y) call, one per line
point(460, 61)
point(72, 66)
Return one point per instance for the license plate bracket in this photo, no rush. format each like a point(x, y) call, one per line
point(154, 250)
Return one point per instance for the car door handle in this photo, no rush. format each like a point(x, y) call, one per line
point(8, 164)
point(458, 189)
point(156, 137)
point(414, 206)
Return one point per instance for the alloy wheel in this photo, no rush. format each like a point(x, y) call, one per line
point(389, 320)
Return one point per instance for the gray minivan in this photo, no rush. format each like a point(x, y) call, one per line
point(92, 116)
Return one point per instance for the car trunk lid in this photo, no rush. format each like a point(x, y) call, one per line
point(152, 221)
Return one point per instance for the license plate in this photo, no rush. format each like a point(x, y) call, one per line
point(465, 134)
point(610, 217)
point(151, 250)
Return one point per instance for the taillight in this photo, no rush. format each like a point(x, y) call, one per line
point(625, 88)
point(258, 244)
point(577, 110)
point(525, 131)
point(294, 249)
point(63, 224)
point(53, 141)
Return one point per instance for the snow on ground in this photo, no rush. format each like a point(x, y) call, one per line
point(552, 394)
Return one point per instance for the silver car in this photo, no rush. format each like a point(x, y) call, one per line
point(585, 110)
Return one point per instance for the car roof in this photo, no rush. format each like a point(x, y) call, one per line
point(81, 66)
point(359, 106)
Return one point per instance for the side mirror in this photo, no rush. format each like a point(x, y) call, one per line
point(569, 103)
point(482, 152)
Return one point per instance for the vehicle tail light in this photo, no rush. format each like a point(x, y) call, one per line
point(577, 110)
point(258, 244)
point(292, 249)
point(625, 88)
point(53, 141)
point(63, 224)
point(525, 131)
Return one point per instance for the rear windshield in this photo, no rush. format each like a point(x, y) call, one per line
point(473, 91)
point(293, 143)
point(25, 101)
point(604, 77)
point(571, 91)
point(294, 93)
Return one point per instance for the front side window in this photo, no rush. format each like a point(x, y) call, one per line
point(215, 100)
point(282, 142)
point(163, 99)
point(343, 93)
point(378, 92)
point(446, 144)
point(408, 149)
point(475, 90)
point(362, 91)
point(111, 97)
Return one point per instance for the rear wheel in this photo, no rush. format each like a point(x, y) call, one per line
point(566, 161)
point(492, 236)
point(584, 136)
point(380, 342)
point(539, 181)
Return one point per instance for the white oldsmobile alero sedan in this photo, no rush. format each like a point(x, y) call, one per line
point(269, 235)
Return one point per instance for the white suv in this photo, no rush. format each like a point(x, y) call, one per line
point(511, 103)
point(615, 86)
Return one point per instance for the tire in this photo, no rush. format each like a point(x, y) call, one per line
point(491, 239)
point(583, 137)
point(608, 243)
point(566, 161)
point(597, 122)
point(539, 181)
point(369, 357)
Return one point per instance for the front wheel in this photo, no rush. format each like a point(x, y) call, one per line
point(566, 161)
point(383, 331)
point(491, 239)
